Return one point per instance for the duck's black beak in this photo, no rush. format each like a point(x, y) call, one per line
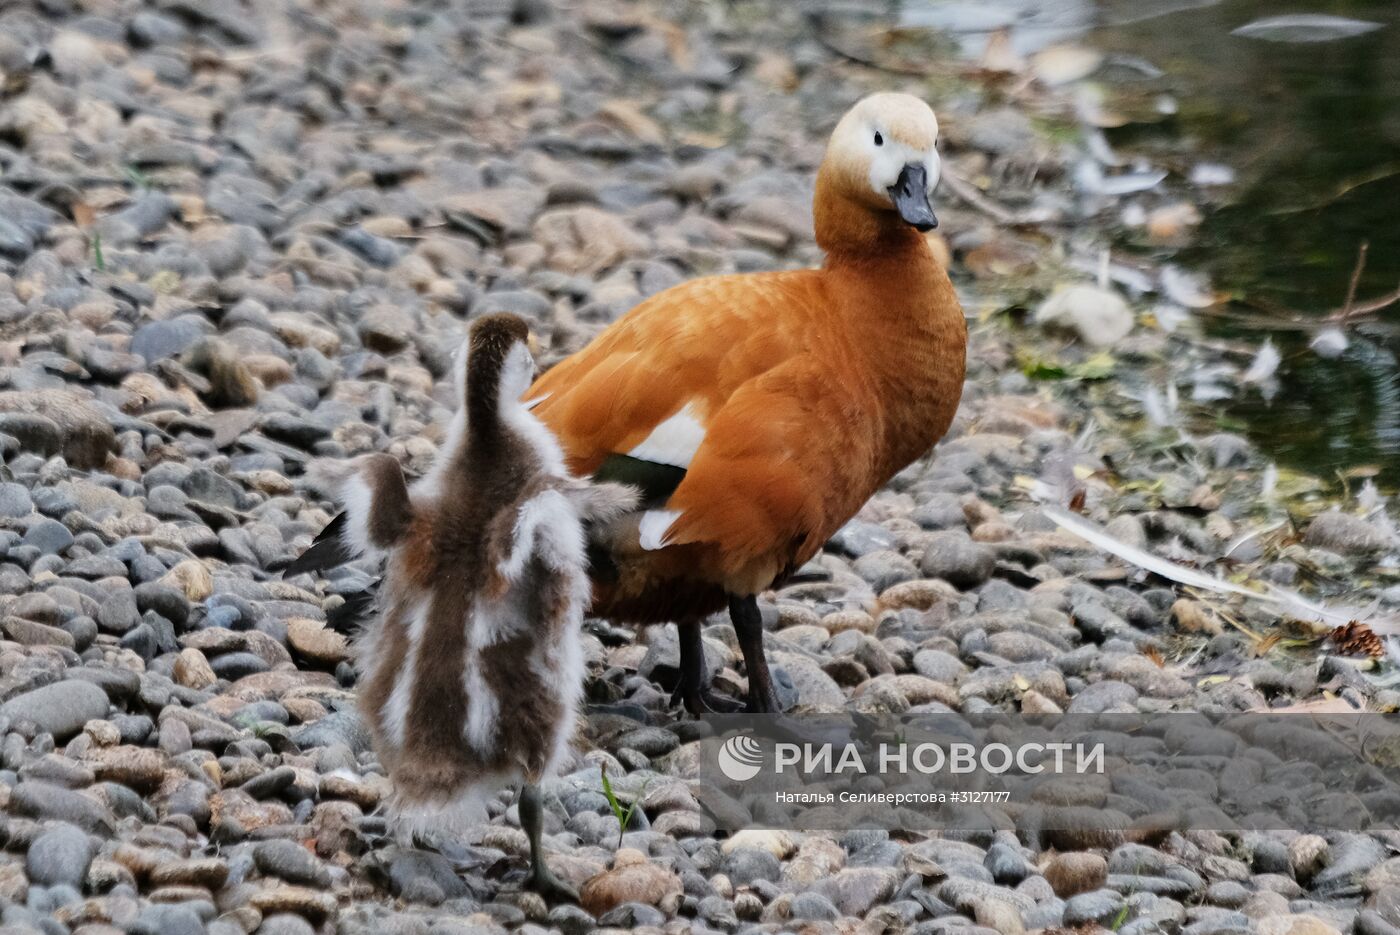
point(910, 197)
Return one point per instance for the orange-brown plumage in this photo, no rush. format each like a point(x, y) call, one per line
point(813, 387)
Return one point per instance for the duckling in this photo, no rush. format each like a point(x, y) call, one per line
point(472, 673)
point(758, 412)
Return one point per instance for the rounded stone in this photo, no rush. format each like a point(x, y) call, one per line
point(59, 855)
point(953, 556)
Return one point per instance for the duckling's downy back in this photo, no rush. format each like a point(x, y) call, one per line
point(471, 674)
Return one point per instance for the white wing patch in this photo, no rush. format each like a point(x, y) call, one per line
point(673, 441)
point(654, 526)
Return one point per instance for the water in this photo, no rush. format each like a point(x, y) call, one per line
point(1313, 132)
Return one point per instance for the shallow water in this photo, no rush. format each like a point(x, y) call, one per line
point(1312, 131)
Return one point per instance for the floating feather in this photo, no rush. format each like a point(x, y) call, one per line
point(1189, 289)
point(1156, 408)
point(1305, 27)
point(1210, 173)
point(1329, 343)
point(1265, 363)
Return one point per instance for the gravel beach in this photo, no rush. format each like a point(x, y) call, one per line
point(237, 237)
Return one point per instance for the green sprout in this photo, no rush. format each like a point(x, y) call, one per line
point(137, 178)
point(623, 815)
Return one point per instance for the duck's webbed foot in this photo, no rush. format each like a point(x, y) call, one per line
point(541, 879)
point(699, 702)
point(693, 688)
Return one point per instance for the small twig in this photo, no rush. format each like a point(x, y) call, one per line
point(1366, 308)
point(970, 194)
point(1283, 318)
point(1355, 278)
point(818, 23)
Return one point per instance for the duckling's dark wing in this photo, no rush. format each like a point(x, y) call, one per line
point(328, 550)
point(357, 607)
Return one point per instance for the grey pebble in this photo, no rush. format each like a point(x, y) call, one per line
point(49, 536)
point(292, 862)
point(1096, 906)
point(954, 557)
point(59, 855)
point(60, 709)
point(15, 501)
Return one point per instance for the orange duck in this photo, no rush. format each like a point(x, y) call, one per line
point(758, 412)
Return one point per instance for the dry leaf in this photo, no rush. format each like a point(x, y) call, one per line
point(1065, 64)
point(628, 117)
point(1001, 57)
point(1194, 617)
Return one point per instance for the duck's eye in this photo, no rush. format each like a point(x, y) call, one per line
point(879, 140)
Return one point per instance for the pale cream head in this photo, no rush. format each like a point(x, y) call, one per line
point(874, 142)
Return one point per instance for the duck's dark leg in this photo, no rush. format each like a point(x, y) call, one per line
point(542, 880)
point(748, 627)
point(693, 688)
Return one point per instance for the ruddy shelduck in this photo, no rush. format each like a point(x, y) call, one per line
point(758, 412)
point(472, 672)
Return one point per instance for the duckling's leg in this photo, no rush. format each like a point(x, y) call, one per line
point(748, 627)
point(693, 688)
point(542, 880)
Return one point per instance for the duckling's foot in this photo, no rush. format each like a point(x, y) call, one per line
point(541, 879)
point(554, 890)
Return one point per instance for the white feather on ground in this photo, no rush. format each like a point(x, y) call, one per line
point(1286, 602)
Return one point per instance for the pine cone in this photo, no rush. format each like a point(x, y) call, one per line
point(1357, 639)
